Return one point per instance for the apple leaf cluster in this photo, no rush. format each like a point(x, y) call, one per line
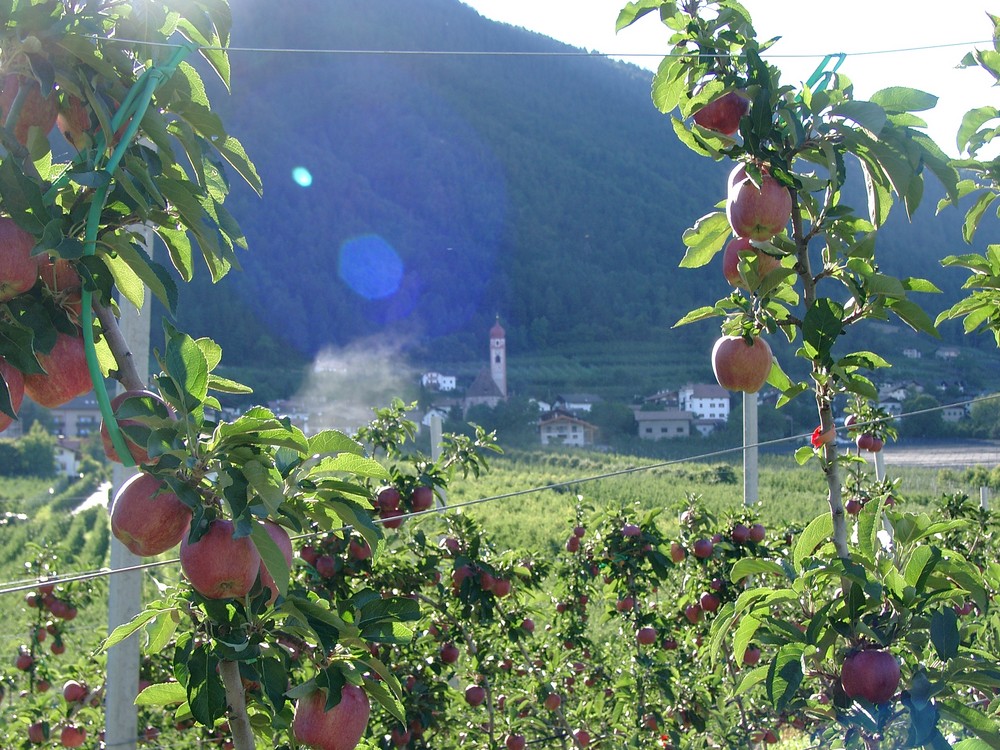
point(981, 180)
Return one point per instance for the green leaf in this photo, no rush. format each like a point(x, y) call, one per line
point(162, 694)
point(333, 441)
point(984, 727)
point(944, 633)
point(205, 691)
point(818, 532)
point(744, 635)
point(751, 679)
point(975, 214)
point(914, 316)
point(349, 463)
point(232, 151)
point(272, 557)
point(971, 122)
point(784, 675)
point(748, 566)
point(706, 238)
point(896, 99)
point(700, 314)
point(821, 327)
point(123, 631)
point(186, 364)
point(225, 385)
point(868, 115)
point(377, 690)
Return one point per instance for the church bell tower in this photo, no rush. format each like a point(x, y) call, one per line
point(498, 356)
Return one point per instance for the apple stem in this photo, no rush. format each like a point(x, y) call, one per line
point(239, 719)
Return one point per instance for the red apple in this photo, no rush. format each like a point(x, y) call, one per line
point(74, 692)
point(449, 653)
point(400, 737)
point(66, 374)
point(475, 695)
point(579, 531)
point(693, 613)
point(284, 542)
point(709, 602)
point(73, 736)
point(731, 261)
point(751, 656)
point(853, 506)
point(24, 661)
point(757, 533)
point(218, 565)
point(740, 534)
point(38, 110)
point(63, 282)
point(871, 674)
point(740, 365)
point(387, 498)
point(582, 737)
point(552, 701)
point(138, 452)
point(528, 625)
point(501, 587)
point(703, 548)
point(18, 267)
point(37, 733)
point(515, 742)
point(625, 604)
point(573, 543)
point(392, 518)
point(326, 566)
point(15, 389)
point(755, 212)
point(340, 728)
point(422, 499)
point(868, 442)
point(359, 550)
point(723, 114)
point(677, 552)
point(631, 530)
point(147, 517)
point(646, 636)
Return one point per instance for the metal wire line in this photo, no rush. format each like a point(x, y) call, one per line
point(104, 572)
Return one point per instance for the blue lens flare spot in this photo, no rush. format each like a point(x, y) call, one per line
point(370, 266)
point(302, 176)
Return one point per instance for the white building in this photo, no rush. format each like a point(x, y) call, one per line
point(435, 381)
point(708, 402)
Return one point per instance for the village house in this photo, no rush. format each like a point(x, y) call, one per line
point(77, 418)
point(664, 424)
point(706, 402)
point(560, 427)
point(575, 402)
point(435, 381)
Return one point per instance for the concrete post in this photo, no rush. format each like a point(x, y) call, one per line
point(751, 481)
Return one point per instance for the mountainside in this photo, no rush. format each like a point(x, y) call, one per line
point(449, 189)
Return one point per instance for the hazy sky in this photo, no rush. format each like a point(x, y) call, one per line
point(851, 26)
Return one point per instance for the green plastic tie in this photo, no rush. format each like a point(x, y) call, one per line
point(135, 106)
point(821, 76)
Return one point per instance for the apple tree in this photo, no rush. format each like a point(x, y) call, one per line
point(107, 131)
point(805, 265)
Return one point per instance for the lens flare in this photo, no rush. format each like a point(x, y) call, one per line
point(370, 266)
point(302, 176)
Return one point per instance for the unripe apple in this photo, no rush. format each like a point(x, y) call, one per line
point(723, 113)
point(147, 517)
point(218, 565)
point(741, 365)
point(755, 212)
point(871, 674)
point(340, 728)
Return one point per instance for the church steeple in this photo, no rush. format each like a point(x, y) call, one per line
point(498, 356)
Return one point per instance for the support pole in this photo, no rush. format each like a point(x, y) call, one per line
point(984, 498)
point(436, 433)
point(125, 589)
point(751, 481)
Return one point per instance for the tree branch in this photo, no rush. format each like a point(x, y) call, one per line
point(239, 720)
point(128, 373)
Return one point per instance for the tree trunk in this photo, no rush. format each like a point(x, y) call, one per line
point(239, 720)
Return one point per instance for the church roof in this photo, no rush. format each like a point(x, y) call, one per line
point(484, 386)
point(497, 331)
